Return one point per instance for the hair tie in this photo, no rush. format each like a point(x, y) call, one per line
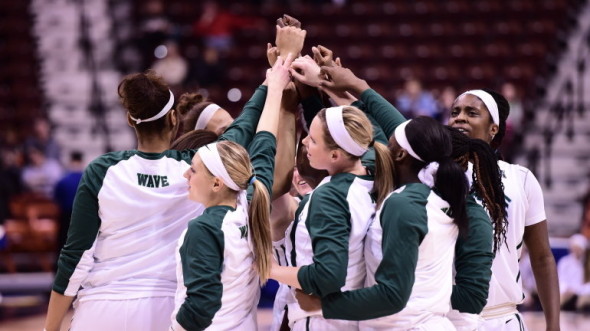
point(252, 180)
point(427, 175)
point(372, 143)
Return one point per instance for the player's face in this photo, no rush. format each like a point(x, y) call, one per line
point(317, 151)
point(219, 122)
point(199, 181)
point(299, 183)
point(470, 115)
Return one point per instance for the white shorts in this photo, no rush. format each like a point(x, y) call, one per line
point(318, 323)
point(278, 308)
point(513, 322)
point(149, 314)
point(465, 321)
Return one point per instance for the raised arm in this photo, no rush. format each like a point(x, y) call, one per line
point(243, 127)
point(339, 79)
point(263, 148)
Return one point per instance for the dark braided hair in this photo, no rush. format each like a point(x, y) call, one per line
point(487, 179)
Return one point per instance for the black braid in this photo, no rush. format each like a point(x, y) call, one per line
point(487, 180)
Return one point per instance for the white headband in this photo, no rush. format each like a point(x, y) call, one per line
point(211, 159)
point(335, 123)
point(402, 139)
point(205, 116)
point(489, 101)
point(162, 112)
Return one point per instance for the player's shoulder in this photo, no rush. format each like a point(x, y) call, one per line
point(512, 169)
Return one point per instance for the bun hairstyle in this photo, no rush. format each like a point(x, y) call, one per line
point(431, 141)
point(190, 107)
point(487, 179)
point(503, 112)
point(360, 130)
point(236, 161)
point(144, 95)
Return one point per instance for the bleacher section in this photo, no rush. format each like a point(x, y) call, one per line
point(20, 95)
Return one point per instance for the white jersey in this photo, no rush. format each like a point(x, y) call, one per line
point(129, 211)
point(525, 208)
point(230, 284)
point(345, 200)
point(431, 292)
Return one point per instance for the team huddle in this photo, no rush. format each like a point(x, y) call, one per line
point(368, 220)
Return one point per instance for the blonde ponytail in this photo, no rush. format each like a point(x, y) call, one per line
point(383, 172)
point(237, 163)
point(258, 218)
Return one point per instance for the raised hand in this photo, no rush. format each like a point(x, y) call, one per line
point(272, 52)
point(323, 56)
point(279, 76)
point(290, 99)
point(287, 20)
point(289, 39)
point(306, 71)
point(340, 79)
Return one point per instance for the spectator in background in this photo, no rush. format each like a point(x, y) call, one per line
point(514, 124)
point(41, 174)
point(216, 26)
point(445, 103)
point(207, 69)
point(10, 173)
point(585, 227)
point(583, 303)
point(64, 193)
point(570, 270)
point(173, 67)
point(516, 110)
point(41, 138)
point(414, 101)
point(154, 29)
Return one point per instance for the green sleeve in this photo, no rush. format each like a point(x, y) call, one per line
point(202, 260)
point(404, 226)
point(473, 262)
point(368, 159)
point(311, 106)
point(328, 223)
point(382, 111)
point(378, 133)
point(83, 230)
point(244, 126)
point(262, 152)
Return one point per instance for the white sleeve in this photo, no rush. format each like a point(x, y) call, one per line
point(535, 212)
